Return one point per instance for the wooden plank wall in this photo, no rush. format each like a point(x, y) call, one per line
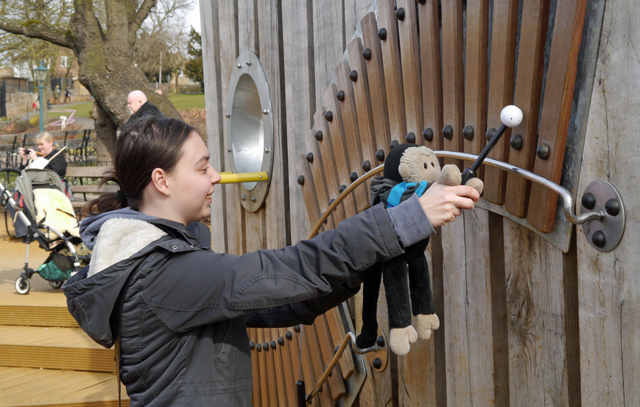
point(522, 323)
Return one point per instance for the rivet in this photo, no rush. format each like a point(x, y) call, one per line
point(273, 344)
point(353, 176)
point(411, 138)
point(266, 149)
point(366, 54)
point(331, 201)
point(289, 335)
point(599, 239)
point(380, 155)
point(393, 144)
point(319, 135)
point(516, 142)
point(377, 363)
point(253, 199)
point(353, 75)
point(337, 348)
point(340, 95)
point(382, 34)
point(248, 63)
point(296, 328)
point(310, 157)
point(447, 132)
point(400, 14)
point(589, 201)
point(229, 149)
point(428, 134)
point(258, 347)
point(467, 132)
point(265, 111)
point(301, 180)
point(380, 341)
point(281, 341)
point(328, 115)
point(239, 65)
point(174, 247)
point(265, 346)
point(342, 188)
point(543, 151)
point(228, 115)
point(367, 164)
point(422, 1)
point(244, 197)
point(252, 345)
point(612, 207)
point(490, 133)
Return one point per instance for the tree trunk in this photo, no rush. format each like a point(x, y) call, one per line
point(105, 135)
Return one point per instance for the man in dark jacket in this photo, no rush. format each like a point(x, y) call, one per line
point(140, 107)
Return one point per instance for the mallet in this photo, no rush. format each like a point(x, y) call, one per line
point(510, 116)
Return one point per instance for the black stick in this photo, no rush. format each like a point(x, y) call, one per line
point(471, 171)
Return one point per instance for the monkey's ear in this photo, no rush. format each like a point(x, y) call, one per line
point(404, 170)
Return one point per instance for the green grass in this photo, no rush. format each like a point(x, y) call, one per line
point(181, 102)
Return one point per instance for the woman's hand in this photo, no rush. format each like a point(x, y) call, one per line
point(442, 203)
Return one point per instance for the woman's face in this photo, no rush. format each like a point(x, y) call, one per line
point(192, 182)
point(45, 147)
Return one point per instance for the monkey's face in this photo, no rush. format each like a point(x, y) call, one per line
point(419, 164)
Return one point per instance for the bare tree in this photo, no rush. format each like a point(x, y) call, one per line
point(102, 37)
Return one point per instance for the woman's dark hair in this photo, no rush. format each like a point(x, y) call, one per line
point(143, 145)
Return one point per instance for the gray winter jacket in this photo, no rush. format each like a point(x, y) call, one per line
point(186, 308)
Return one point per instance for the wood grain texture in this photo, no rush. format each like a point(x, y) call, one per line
point(501, 75)
point(328, 42)
point(430, 60)
point(392, 70)
point(608, 282)
point(535, 17)
point(556, 109)
point(299, 101)
point(319, 180)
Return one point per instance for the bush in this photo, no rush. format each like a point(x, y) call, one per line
point(34, 120)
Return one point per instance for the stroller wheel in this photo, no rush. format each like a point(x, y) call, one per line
point(23, 285)
point(56, 284)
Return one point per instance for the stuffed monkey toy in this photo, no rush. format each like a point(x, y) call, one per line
point(408, 169)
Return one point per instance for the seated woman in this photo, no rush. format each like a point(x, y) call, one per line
point(46, 149)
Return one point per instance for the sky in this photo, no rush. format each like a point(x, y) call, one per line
point(194, 17)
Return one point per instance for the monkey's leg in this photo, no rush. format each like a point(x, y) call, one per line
point(422, 297)
point(398, 303)
point(370, 293)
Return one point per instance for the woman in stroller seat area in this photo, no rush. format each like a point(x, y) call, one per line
point(179, 309)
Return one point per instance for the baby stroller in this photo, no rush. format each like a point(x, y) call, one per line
point(39, 203)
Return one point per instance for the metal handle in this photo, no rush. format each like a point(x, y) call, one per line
point(231, 178)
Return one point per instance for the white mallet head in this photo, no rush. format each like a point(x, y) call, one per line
point(511, 116)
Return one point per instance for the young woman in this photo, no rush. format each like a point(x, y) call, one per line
point(46, 149)
point(184, 308)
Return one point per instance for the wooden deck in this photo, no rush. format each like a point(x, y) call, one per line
point(46, 360)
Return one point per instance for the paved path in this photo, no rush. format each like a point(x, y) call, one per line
point(83, 122)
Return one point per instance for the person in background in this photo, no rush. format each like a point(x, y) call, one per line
point(140, 107)
point(67, 95)
point(46, 149)
point(56, 95)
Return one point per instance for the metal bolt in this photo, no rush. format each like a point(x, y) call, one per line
point(422, 1)
point(289, 335)
point(239, 65)
point(266, 149)
point(265, 111)
point(252, 345)
point(380, 341)
point(366, 54)
point(340, 95)
point(244, 197)
point(428, 134)
point(281, 341)
point(490, 133)
point(248, 63)
point(353, 176)
point(599, 239)
point(328, 115)
point(380, 155)
point(296, 328)
point(447, 132)
point(273, 344)
point(589, 201)
point(612, 207)
point(319, 135)
point(516, 142)
point(253, 199)
point(377, 363)
point(367, 164)
point(342, 188)
point(228, 115)
point(310, 157)
point(467, 132)
point(229, 149)
point(382, 34)
point(301, 180)
point(411, 138)
point(400, 14)
point(258, 347)
point(265, 346)
point(543, 151)
point(353, 75)
point(393, 144)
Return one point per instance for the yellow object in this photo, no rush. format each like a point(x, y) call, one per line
point(231, 178)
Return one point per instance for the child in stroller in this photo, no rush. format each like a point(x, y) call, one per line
point(40, 203)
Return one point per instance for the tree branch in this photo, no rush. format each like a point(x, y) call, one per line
point(141, 14)
point(37, 29)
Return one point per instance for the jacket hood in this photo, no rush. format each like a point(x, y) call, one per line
point(90, 226)
point(379, 185)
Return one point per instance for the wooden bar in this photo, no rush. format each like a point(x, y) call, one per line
point(256, 399)
point(289, 376)
point(271, 368)
point(329, 165)
point(335, 139)
point(392, 69)
point(277, 351)
point(503, 53)
point(535, 17)
point(346, 115)
point(377, 88)
point(411, 72)
point(429, 25)
point(556, 109)
point(319, 178)
point(452, 76)
point(336, 328)
point(262, 367)
point(336, 381)
point(308, 189)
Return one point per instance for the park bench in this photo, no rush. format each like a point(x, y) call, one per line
point(85, 184)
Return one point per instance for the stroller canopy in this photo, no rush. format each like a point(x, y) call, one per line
point(32, 178)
